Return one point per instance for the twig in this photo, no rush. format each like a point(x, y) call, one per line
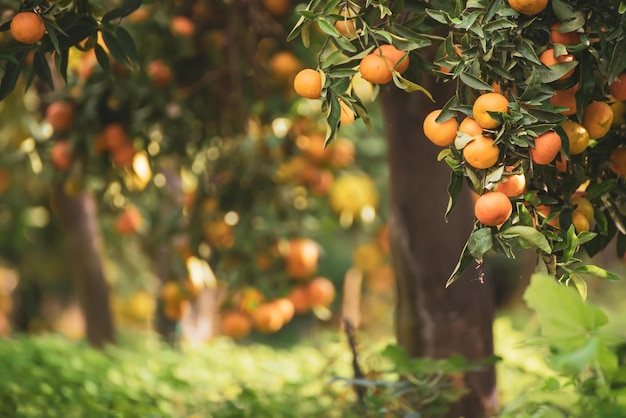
point(358, 373)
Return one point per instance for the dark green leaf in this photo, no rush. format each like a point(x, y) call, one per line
point(529, 234)
point(454, 189)
point(597, 271)
point(479, 243)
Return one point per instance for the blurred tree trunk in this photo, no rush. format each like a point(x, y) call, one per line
point(431, 320)
point(79, 220)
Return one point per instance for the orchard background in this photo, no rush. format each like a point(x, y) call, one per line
point(274, 208)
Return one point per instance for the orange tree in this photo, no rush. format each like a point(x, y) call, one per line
point(533, 123)
point(130, 97)
point(540, 86)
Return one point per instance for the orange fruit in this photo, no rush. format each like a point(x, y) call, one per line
point(394, 56)
point(564, 38)
point(322, 182)
point(235, 324)
point(284, 65)
point(528, 7)
point(347, 115)
point(159, 72)
point(470, 127)
point(299, 297)
point(308, 83)
point(580, 221)
point(173, 311)
point(60, 115)
point(114, 136)
point(286, 307)
point(27, 27)
point(267, 318)
point(618, 87)
point(171, 292)
point(347, 25)
point(376, 69)
point(544, 211)
point(61, 155)
point(584, 206)
point(124, 155)
point(481, 152)
point(547, 146)
point(313, 146)
point(440, 133)
point(618, 161)
point(512, 185)
point(140, 15)
point(277, 7)
point(218, 234)
point(321, 291)
point(565, 98)
point(548, 59)
point(129, 221)
point(341, 153)
point(182, 26)
point(489, 102)
point(597, 119)
point(302, 257)
point(493, 208)
point(577, 135)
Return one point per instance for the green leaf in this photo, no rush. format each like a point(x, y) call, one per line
point(42, 68)
point(530, 235)
point(8, 82)
point(327, 27)
point(454, 189)
point(479, 243)
point(597, 271)
point(464, 262)
point(128, 43)
point(580, 284)
point(102, 58)
point(334, 114)
point(562, 314)
point(409, 86)
point(474, 82)
point(575, 361)
point(116, 48)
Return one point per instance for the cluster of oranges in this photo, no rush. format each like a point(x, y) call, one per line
point(484, 146)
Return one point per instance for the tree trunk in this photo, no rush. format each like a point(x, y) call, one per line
point(79, 220)
point(431, 320)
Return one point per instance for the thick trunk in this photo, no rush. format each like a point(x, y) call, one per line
point(431, 320)
point(79, 219)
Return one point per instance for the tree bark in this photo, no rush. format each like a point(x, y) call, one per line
point(431, 320)
point(79, 220)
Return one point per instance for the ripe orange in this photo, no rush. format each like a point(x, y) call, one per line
point(61, 155)
point(565, 98)
point(512, 185)
point(114, 136)
point(528, 7)
point(347, 115)
point(548, 59)
point(481, 153)
point(618, 87)
point(580, 221)
point(544, 211)
point(321, 291)
point(27, 27)
point(267, 318)
point(584, 206)
point(299, 297)
point(577, 135)
point(218, 234)
point(284, 65)
point(493, 208)
point(322, 182)
point(286, 307)
point(380, 279)
point(546, 148)
point(171, 292)
point(618, 161)
point(277, 7)
point(129, 221)
point(394, 56)
point(182, 26)
point(302, 257)
point(140, 14)
point(124, 155)
point(561, 164)
point(489, 102)
point(313, 146)
point(565, 38)
point(159, 72)
point(60, 115)
point(341, 153)
point(235, 324)
point(174, 311)
point(376, 69)
point(308, 83)
point(470, 127)
point(597, 119)
point(347, 25)
point(440, 133)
